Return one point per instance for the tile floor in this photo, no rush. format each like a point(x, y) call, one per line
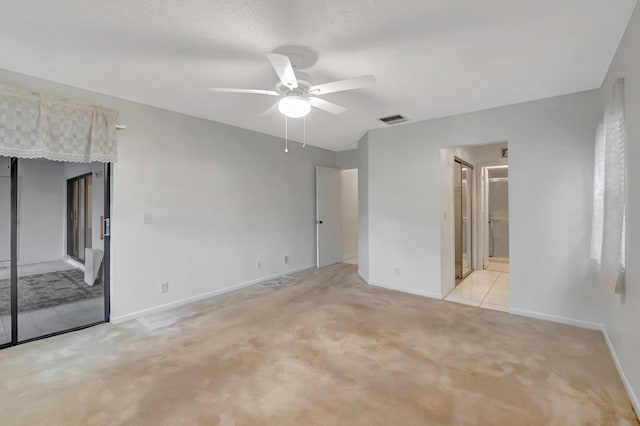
point(485, 289)
point(49, 320)
point(499, 265)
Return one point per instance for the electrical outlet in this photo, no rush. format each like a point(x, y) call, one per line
point(148, 218)
point(286, 259)
point(164, 287)
point(258, 264)
point(396, 270)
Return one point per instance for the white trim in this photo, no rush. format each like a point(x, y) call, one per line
point(429, 294)
point(133, 315)
point(554, 318)
point(366, 280)
point(635, 402)
point(71, 261)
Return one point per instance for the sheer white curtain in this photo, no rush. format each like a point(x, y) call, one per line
point(609, 209)
point(38, 125)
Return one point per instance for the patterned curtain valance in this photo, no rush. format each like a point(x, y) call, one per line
point(37, 125)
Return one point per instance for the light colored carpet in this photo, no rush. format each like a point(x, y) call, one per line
point(324, 349)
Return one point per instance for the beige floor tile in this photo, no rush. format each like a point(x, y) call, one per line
point(502, 283)
point(497, 296)
point(473, 278)
point(462, 301)
point(485, 275)
point(498, 267)
point(472, 290)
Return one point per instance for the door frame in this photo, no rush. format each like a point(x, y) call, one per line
point(470, 185)
point(14, 162)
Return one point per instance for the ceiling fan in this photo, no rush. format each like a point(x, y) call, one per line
point(297, 90)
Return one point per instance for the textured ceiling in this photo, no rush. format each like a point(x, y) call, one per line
point(431, 58)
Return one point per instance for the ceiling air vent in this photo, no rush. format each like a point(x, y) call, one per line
point(394, 119)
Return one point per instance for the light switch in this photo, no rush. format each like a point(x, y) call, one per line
point(148, 219)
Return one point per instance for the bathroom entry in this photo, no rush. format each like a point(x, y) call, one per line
point(496, 217)
point(474, 229)
point(462, 193)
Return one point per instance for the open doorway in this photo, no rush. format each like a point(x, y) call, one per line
point(337, 216)
point(475, 225)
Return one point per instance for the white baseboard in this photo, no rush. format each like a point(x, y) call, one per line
point(202, 296)
point(627, 385)
point(366, 280)
point(429, 294)
point(555, 318)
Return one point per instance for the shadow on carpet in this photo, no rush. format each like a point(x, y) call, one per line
point(47, 290)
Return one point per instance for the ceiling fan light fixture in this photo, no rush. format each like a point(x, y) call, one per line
point(294, 106)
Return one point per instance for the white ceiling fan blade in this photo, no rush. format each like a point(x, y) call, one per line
point(342, 85)
point(249, 91)
point(282, 65)
point(326, 105)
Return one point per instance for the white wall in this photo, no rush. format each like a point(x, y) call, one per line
point(363, 207)
point(349, 202)
point(550, 211)
point(622, 313)
point(221, 198)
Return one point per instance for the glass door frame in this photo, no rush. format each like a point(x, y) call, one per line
point(470, 216)
point(14, 258)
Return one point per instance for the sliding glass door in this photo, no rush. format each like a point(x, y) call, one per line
point(56, 278)
point(6, 324)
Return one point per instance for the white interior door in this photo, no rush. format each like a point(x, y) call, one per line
point(328, 216)
point(5, 218)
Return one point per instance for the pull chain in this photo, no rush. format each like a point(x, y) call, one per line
point(304, 131)
point(286, 134)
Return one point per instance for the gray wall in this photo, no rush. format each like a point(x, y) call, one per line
point(40, 211)
point(363, 207)
point(622, 313)
point(221, 198)
point(347, 159)
point(551, 172)
point(42, 208)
